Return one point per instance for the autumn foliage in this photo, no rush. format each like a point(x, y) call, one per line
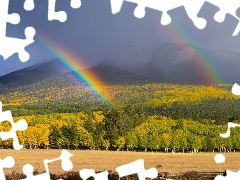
point(149, 117)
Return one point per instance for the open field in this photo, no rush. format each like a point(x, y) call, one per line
point(108, 160)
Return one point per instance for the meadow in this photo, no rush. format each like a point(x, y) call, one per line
point(174, 163)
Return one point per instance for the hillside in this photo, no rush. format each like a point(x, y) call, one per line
point(52, 74)
point(155, 117)
point(30, 75)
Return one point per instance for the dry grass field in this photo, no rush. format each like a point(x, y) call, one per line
point(108, 160)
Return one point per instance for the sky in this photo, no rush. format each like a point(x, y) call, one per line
point(92, 30)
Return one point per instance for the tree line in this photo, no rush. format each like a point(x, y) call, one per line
point(113, 131)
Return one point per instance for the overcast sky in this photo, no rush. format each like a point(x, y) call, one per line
point(92, 30)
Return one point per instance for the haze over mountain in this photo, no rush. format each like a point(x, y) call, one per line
point(178, 63)
point(164, 63)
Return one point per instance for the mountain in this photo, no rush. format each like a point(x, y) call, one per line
point(31, 74)
point(130, 64)
point(109, 74)
point(178, 63)
point(50, 74)
point(130, 57)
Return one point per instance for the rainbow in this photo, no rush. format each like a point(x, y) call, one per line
point(73, 63)
point(202, 63)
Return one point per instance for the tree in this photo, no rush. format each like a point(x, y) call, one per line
point(166, 141)
point(182, 138)
point(85, 139)
point(119, 143)
point(196, 143)
point(131, 140)
point(142, 135)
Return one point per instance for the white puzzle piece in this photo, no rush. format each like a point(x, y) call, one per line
point(20, 125)
point(7, 162)
point(192, 9)
point(10, 45)
point(87, 173)
point(137, 167)
point(67, 165)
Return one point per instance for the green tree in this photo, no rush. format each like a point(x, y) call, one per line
point(131, 140)
point(119, 143)
point(166, 141)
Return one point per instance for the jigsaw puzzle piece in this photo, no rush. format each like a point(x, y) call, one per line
point(230, 125)
point(29, 5)
point(116, 5)
point(67, 165)
point(7, 162)
point(75, 4)
point(60, 15)
point(227, 7)
point(54, 15)
point(87, 173)
point(9, 46)
point(14, 45)
point(5, 17)
point(207, 12)
point(237, 30)
point(192, 10)
point(238, 12)
point(236, 89)
point(21, 125)
point(164, 7)
point(137, 167)
point(230, 175)
point(139, 12)
point(28, 171)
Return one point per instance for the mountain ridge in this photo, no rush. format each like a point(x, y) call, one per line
point(105, 74)
point(180, 63)
point(162, 63)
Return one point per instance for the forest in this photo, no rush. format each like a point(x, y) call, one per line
point(143, 117)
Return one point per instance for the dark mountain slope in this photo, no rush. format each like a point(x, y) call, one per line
point(51, 74)
point(31, 74)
